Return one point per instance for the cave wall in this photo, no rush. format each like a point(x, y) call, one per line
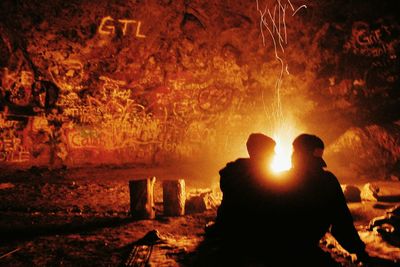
point(369, 153)
point(151, 82)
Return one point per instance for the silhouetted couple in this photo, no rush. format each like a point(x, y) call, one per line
point(279, 221)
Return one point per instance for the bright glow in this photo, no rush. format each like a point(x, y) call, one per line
point(283, 152)
point(273, 24)
point(284, 135)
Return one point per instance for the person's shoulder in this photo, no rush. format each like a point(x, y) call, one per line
point(234, 166)
point(237, 163)
point(329, 174)
point(330, 178)
point(231, 174)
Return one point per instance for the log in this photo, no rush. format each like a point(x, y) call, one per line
point(142, 198)
point(174, 197)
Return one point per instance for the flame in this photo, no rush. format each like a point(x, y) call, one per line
point(284, 135)
point(283, 153)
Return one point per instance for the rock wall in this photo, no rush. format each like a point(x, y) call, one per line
point(371, 152)
point(129, 82)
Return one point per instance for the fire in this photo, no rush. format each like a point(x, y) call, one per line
point(273, 23)
point(283, 152)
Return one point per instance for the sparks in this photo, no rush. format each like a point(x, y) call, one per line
point(273, 23)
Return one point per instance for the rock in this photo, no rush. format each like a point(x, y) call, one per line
point(388, 226)
point(395, 211)
point(150, 238)
point(6, 186)
point(372, 151)
point(195, 204)
point(381, 191)
point(351, 193)
point(37, 170)
point(369, 192)
point(75, 209)
point(200, 201)
point(76, 70)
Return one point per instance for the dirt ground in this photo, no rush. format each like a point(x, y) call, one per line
point(80, 217)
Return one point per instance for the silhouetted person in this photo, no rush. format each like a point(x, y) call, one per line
point(316, 205)
point(242, 183)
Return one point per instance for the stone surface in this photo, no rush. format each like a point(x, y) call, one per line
point(201, 200)
point(60, 237)
point(370, 152)
point(154, 82)
point(380, 191)
point(6, 186)
point(351, 193)
point(369, 192)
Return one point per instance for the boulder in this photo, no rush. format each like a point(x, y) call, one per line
point(6, 186)
point(369, 192)
point(200, 201)
point(351, 193)
point(381, 191)
point(372, 152)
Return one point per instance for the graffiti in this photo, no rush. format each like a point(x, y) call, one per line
point(108, 26)
point(46, 95)
point(193, 100)
point(68, 74)
point(366, 41)
point(173, 122)
point(18, 87)
point(108, 111)
point(15, 157)
point(21, 90)
point(171, 135)
point(11, 150)
point(82, 114)
point(184, 110)
point(116, 132)
point(108, 82)
point(110, 102)
point(215, 100)
point(11, 145)
point(111, 89)
point(377, 45)
point(23, 96)
point(85, 138)
point(5, 124)
point(182, 85)
point(201, 134)
point(40, 124)
point(68, 100)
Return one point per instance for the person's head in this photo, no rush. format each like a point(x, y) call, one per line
point(261, 148)
point(307, 152)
